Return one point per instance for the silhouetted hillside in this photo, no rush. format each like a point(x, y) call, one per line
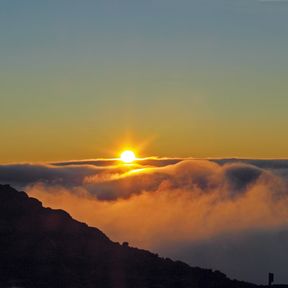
point(41, 247)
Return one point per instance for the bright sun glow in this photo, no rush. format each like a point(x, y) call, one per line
point(128, 156)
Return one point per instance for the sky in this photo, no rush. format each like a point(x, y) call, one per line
point(187, 78)
point(178, 80)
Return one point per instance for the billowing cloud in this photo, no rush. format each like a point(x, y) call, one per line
point(179, 207)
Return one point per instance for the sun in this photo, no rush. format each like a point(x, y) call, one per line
point(128, 156)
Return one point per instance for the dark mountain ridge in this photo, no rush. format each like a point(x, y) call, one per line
point(42, 247)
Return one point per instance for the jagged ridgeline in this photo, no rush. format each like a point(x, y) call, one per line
point(41, 247)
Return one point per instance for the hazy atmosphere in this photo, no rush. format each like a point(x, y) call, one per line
point(161, 123)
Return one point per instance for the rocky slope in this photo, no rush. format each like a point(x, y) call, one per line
point(41, 247)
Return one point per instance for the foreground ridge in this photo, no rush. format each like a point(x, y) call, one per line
point(42, 247)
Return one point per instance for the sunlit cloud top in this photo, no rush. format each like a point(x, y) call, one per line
point(175, 205)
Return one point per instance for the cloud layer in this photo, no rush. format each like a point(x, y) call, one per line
point(185, 208)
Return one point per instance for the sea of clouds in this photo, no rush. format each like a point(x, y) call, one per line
point(226, 214)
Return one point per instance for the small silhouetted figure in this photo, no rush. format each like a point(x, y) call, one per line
point(270, 279)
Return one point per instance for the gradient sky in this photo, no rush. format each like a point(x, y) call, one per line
point(202, 78)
